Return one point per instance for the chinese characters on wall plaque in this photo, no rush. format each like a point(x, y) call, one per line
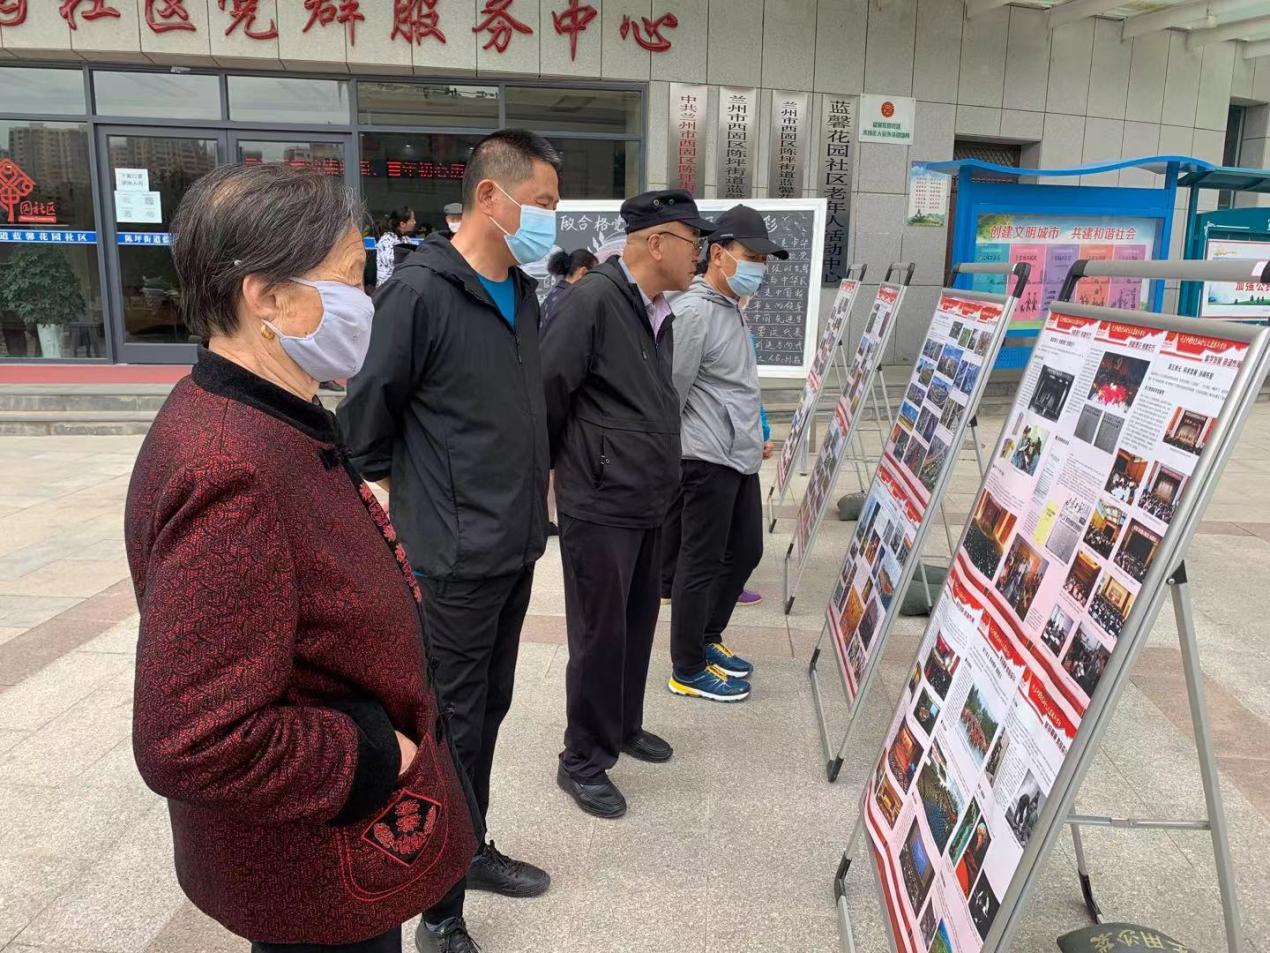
point(787, 168)
point(837, 129)
point(738, 139)
point(687, 139)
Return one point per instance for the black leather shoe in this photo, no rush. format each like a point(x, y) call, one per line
point(494, 871)
point(600, 797)
point(449, 937)
point(646, 746)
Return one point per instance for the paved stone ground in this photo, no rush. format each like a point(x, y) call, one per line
point(85, 860)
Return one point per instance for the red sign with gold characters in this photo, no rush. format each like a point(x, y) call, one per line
point(413, 20)
point(15, 185)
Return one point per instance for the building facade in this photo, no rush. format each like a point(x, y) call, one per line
point(110, 108)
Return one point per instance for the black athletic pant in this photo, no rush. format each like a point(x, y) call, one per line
point(611, 604)
point(473, 631)
point(722, 542)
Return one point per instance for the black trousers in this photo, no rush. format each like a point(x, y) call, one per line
point(671, 531)
point(611, 604)
point(473, 630)
point(722, 542)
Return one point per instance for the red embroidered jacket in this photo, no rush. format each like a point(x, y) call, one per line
point(281, 644)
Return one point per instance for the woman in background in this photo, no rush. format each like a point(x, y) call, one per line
point(568, 267)
point(400, 223)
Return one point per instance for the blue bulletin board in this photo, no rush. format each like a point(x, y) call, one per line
point(1050, 226)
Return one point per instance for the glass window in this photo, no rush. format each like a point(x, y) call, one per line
point(598, 168)
point(555, 109)
point(270, 99)
point(415, 104)
point(46, 92)
point(50, 288)
point(170, 95)
point(422, 172)
point(148, 285)
point(325, 157)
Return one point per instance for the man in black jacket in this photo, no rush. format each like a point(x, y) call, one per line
point(613, 421)
point(448, 414)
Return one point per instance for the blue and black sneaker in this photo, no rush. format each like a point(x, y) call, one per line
point(720, 656)
point(712, 683)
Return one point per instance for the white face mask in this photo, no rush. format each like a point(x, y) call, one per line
point(337, 347)
point(454, 226)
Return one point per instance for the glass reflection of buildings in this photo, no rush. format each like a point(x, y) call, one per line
point(57, 159)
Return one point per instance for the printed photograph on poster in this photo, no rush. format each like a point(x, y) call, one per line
point(1021, 576)
point(969, 860)
point(941, 799)
point(1024, 808)
point(1188, 430)
point(1164, 487)
point(1138, 550)
point(943, 942)
point(1126, 477)
point(941, 666)
point(979, 724)
point(933, 463)
point(1050, 394)
point(967, 827)
point(952, 416)
point(1027, 449)
point(903, 756)
point(1104, 528)
point(926, 423)
point(1086, 660)
point(938, 393)
point(1117, 380)
point(926, 712)
point(925, 371)
point(996, 757)
point(983, 905)
point(929, 924)
point(1082, 577)
point(1066, 531)
point(967, 375)
point(1110, 605)
point(932, 348)
point(1057, 627)
point(949, 360)
point(915, 866)
point(908, 415)
point(989, 528)
point(888, 801)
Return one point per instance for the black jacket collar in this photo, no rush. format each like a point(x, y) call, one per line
point(438, 255)
point(221, 376)
point(613, 271)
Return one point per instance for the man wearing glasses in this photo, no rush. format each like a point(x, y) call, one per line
point(613, 423)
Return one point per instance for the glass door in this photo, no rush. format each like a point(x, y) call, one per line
point(146, 174)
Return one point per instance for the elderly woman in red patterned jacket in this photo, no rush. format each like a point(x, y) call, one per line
point(283, 701)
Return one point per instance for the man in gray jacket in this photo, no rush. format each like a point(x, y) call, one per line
point(716, 377)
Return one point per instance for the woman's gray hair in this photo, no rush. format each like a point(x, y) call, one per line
point(268, 220)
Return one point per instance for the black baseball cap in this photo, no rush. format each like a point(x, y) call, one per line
point(649, 209)
point(743, 224)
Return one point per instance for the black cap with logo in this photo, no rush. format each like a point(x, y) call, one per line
point(649, 209)
point(743, 224)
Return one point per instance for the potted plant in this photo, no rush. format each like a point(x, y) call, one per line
point(38, 284)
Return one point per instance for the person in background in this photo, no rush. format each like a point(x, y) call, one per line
point(716, 377)
point(670, 532)
point(399, 224)
point(613, 420)
point(281, 699)
point(448, 415)
point(453, 213)
point(568, 267)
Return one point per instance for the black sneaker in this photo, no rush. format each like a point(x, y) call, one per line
point(494, 871)
point(448, 937)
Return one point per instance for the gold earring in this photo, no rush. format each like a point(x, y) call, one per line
point(267, 332)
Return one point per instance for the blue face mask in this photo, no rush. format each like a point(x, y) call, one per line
point(536, 235)
point(749, 275)
point(337, 347)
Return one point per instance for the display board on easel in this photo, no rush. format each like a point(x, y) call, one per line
point(828, 354)
point(842, 433)
point(1055, 585)
point(945, 387)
